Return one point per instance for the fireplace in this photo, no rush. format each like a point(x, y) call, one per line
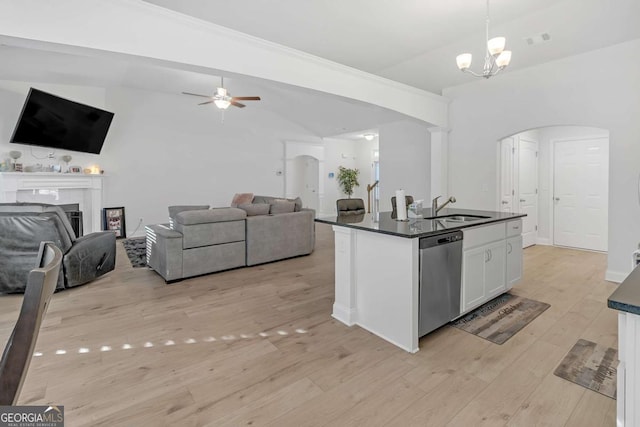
point(74, 214)
point(82, 191)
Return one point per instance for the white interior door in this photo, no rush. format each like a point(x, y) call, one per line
point(311, 182)
point(528, 190)
point(507, 190)
point(581, 193)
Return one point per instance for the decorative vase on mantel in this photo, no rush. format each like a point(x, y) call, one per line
point(15, 155)
point(66, 159)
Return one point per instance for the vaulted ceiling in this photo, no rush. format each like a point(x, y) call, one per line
point(416, 41)
point(410, 41)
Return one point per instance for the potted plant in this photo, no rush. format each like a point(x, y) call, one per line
point(348, 180)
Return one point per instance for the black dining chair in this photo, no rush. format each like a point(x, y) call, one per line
point(41, 283)
point(347, 207)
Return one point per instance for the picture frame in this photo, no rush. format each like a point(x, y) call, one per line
point(113, 219)
point(75, 169)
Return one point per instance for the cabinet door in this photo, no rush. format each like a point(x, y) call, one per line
point(473, 268)
point(514, 260)
point(494, 276)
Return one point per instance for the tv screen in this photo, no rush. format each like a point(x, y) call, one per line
point(50, 121)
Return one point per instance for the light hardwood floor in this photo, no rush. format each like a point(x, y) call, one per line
point(257, 346)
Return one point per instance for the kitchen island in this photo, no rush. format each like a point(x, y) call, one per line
point(377, 266)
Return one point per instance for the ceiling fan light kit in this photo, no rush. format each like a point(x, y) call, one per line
point(222, 99)
point(495, 60)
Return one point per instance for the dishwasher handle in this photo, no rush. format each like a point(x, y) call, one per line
point(441, 239)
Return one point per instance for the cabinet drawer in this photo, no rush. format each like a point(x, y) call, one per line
point(476, 236)
point(514, 228)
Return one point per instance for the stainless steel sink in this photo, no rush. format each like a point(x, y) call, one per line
point(459, 218)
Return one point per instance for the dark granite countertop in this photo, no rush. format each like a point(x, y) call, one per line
point(417, 227)
point(627, 296)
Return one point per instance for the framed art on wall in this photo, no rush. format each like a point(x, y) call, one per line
point(113, 220)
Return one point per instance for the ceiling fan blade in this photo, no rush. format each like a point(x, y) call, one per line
point(197, 94)
point(247, 98)
point(206, 102)
point(237, 104)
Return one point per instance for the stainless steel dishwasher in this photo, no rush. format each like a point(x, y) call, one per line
point(440, 280)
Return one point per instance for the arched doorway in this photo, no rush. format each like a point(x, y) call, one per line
point(559, 177)
point(304, 167)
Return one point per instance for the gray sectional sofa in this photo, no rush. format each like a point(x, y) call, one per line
point(199, 240)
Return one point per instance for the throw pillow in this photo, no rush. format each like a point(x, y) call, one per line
point(241, 199)
point(253, 209)
point(298, 202)
point(282, 206)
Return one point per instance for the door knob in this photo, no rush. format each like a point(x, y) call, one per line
point(557, 199)
point(504, 202)
point(522, 200)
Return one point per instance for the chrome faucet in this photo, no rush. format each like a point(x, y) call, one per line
point(434, 204)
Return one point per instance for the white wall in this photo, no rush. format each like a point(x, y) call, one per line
point(405, 157)
point(599, 88)
point(164, 151)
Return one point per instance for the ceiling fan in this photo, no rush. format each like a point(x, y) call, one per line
point(222, 99)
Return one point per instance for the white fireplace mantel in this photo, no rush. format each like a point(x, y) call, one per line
point(86, 190)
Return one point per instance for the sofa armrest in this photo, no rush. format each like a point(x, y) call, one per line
point(89, 257)
point(164, 251)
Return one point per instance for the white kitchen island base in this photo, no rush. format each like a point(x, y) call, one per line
point(377, 268)
point(377, 284)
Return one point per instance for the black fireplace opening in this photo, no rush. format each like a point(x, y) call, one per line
point(73, 212)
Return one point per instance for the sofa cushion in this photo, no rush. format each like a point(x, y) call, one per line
point(241, 199)
point(210, 215)
point(253, 209)
point(282, 206)
point(270, 199)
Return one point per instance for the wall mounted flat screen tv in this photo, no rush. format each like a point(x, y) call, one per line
point(50, 121)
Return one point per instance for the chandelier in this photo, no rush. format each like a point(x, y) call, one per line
point(495, 60)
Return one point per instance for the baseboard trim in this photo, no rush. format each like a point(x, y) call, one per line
point(615, 276)
point(544, 242)
point(344, 314)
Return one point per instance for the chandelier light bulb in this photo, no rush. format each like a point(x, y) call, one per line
point(496, 45)
point(503, 59)
point(464, 61)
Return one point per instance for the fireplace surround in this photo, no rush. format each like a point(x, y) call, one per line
point(58, 189)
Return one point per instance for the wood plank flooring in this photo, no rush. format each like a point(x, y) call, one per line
point(258, 346)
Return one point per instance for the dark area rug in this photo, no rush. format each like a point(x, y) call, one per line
point(136, 251)
point(501, 318)
point(592, 366)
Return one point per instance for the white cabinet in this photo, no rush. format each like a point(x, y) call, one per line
point(494, 271)
point(473, 269)
point(491, 262)
point(514, 260)
point(483, 264)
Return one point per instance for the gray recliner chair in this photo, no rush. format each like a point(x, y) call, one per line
point(24, 225)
